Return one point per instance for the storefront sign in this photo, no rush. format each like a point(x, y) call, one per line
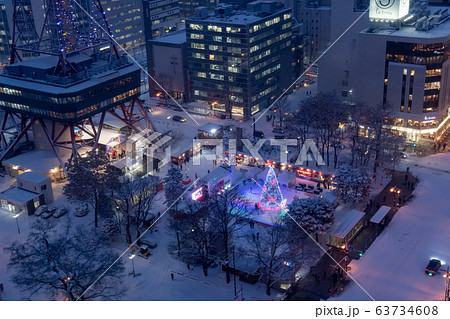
point(388, 10)
point(197, 194)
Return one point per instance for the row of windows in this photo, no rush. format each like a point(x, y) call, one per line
point(260, 56)
point(264, 93)
point(433, 72)
point(261, 35)
point(66, 100)
point(215, 28)
point(264, 64)
point(414, 59)
point(433, 86)
point(70, 115)
point(268, 71)
point(265, 24)
point(270, 42)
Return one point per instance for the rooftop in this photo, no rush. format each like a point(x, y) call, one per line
point(33, 177)
point(177, 37)
point(439, 30)
point(350, 220)
point(17, 195)
point(37, 161)
point(33, 74)
point(215, 175)
point(244, 17)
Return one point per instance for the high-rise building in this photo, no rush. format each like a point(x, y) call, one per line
point(126, 22)
point(403, 64)
point(5, 35)
point(408, 70)
point(187, 8)
point(160, 17)
point(315, 15)
point(169, 66)
point(338, 67)
point(240, 61)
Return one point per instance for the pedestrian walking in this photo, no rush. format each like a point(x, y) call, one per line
point(384, 199)
point(407, 169)
point(188, 266)
point(172, 276)
point(196, 177)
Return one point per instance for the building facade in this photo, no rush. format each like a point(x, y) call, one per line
point(126, 22)
point(408, 70)
point(169, 66)
point(240, 61)
point(339, 66)
point(5, 35)
point(315, 15)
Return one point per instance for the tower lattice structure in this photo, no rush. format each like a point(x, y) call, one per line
point(65, 78)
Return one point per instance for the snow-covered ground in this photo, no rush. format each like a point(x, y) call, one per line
point(393, 267)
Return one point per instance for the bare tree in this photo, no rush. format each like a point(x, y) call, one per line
point(65, 265)
point(145, 191)
point(271, 247)
point(197, 235)
point(123, 197)
point(227, 213)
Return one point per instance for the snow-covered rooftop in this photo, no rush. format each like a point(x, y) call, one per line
point(350, 220)
point(216, 174)
point(17, 195)
point(243, 17)
point(72, 87)
point(380, 214)
point(37, 161)
point(33, 177)
point(178, 37)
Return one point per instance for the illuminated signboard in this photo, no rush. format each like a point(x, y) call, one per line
point(198, 193)
point(388, 10)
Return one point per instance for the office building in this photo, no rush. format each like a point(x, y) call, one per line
point(240, 61)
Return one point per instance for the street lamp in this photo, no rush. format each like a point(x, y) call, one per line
point(16, 217)
point(132, 263)
point(396, 192)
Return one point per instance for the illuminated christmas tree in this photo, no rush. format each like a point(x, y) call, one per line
point(271, 197)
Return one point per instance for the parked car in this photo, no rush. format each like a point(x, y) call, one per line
point(223, 117)
point(60, 212)
point(259, 134)
point(178, 118)
point(433, 267)
point(81, 211)
point(280, 136)
point(148, 242)
point(278, 130)
point(49, 213)
point(299, 188)
point(40, 210)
